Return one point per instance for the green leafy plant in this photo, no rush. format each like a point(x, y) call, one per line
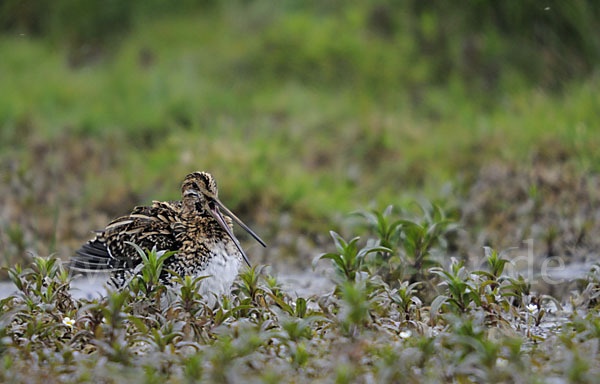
point(249, 284)
point(518, 288)
point(496, 263)
point(410, 241)
point(355, 311)
point(405, 297)
point(387, 230)
point(460, 290)
point(151, 269)
point(189, 299)
point(349, 259)
point(420, 236)
point(389, 265)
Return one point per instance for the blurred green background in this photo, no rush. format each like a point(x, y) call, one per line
point(303, 111)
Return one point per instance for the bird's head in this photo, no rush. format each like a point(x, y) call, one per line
point(199, 187)
point(200, 194)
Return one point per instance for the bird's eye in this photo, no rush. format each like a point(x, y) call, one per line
point(195, 186)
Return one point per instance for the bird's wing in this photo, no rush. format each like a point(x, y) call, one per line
point(147, 227)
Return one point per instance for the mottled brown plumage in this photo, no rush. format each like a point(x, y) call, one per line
point(193, 227)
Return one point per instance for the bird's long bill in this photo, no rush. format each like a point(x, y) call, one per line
point(237, 220)
point(217, 215)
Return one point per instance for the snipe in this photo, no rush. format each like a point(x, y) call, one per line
point(194, 227)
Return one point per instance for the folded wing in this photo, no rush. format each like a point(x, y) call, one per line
point(147, 227)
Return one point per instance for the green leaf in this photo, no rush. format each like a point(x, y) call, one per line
point(340, 243)
point(436, 304)
point(301, 307)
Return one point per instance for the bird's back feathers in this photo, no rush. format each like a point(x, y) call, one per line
point(146, 226)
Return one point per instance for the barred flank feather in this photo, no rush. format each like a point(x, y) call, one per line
point(145, 226)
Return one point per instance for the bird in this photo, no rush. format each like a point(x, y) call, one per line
point(194, 228)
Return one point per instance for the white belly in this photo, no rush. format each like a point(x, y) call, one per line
point(221, 270)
